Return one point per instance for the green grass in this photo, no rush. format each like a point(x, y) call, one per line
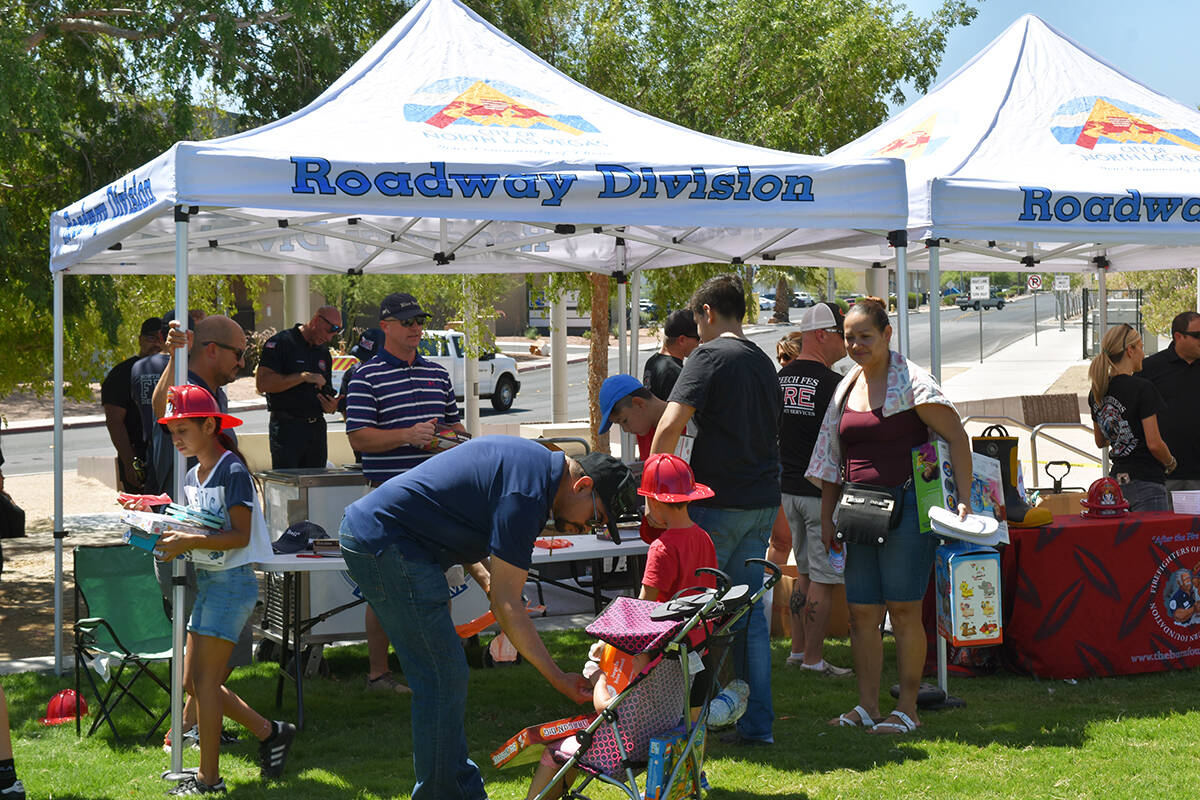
point(1136, 737)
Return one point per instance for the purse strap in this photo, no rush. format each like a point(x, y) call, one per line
point(994, 431)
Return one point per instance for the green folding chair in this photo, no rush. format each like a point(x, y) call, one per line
point(126, 623)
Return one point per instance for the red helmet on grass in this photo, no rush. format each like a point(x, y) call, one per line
point(63, 706)
point(190, 401)
point(668, 479)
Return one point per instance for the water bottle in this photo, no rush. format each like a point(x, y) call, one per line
point(837, 557)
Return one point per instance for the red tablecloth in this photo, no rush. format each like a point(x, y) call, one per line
point(1090, 597)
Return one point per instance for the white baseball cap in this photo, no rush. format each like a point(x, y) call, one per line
point(822, 317)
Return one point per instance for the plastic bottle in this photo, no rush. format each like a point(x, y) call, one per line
point(837, 557)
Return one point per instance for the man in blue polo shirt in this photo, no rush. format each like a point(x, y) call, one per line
point(394, 404)
point(490, 497)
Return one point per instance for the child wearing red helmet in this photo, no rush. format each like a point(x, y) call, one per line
point(679, 548)
point(227, 590)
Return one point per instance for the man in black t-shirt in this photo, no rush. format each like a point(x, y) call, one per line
point(680, 338)
point(294, 372)
point(728, 387)
point(808, 384)
point(1175, 372)
point(121, 414)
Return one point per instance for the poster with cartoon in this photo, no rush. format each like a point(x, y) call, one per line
point(967, 578)
point(933, 480)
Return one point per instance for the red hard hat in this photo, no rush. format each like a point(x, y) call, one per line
point(1104, 499)
point(188, 401)
point(62, 706)
point(669, 479)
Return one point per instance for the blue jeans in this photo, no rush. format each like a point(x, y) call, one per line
point(412, 601)
point(898, 571)
point(739, 534)
point(1145, 496)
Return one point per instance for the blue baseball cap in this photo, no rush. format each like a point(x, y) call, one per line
point(611, 392)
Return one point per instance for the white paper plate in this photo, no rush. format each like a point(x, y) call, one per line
point(975, 526)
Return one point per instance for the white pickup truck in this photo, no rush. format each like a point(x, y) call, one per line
point(497, 372)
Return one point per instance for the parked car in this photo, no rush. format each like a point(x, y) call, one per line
point(497, 372)
point(802, 300)
point(766, 301)
point(964, 302)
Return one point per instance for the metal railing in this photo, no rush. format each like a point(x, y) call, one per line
point(1037, 431)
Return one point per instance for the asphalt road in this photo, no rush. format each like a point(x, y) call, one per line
point(32, 452)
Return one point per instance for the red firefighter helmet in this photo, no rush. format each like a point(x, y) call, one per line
point(188, 401)
point(1104, 500)
point(669, 479)
point(62, 707)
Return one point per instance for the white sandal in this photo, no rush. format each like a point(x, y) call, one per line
point(864, 719)
point(905, 725)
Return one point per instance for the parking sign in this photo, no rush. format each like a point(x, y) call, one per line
point(1062, 283)
point(1034, 282)
point(981, 288)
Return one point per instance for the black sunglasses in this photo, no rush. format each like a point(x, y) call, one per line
point(1193, 334)
point(408, 323)
point(332, 328)
point(239, 353)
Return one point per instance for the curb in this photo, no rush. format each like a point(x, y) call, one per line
point(94, 420)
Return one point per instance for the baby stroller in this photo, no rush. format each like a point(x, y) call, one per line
point(658, 699)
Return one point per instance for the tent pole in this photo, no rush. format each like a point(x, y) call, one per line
point(635, 306)
point(558, 360)
point(830, 286)
point(471, 362)
point(935, 310)
point(178, 573)
point(899, 241)
point(1198, 287)
point(59, 533)
point(296, 305)
point(623, 315)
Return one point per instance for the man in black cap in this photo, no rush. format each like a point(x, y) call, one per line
point(680, 338)
point(121, 414)
point(295, 371)
point(394, 404)
point(481, 504)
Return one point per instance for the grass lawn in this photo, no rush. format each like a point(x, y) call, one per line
point(1135, 737)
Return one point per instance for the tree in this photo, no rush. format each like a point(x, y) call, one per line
point(1165, 293)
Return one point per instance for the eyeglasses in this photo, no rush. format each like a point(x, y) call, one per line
point(240, 353)
point(408, 323)
point(595, 523)
point(1193, 334)
point(332, 328)
point(783, 358)
point(591, 525)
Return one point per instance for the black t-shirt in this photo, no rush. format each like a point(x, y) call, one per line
point(288, 353)
point(661, 372)
point(116, 390)
point(1119, 416)
point(733, 387)
point(1179, 384)
point(807, 389)
point(143, 377)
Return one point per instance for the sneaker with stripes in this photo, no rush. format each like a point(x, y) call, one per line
point(14, 791)
point(193, 785)
point(273, 751)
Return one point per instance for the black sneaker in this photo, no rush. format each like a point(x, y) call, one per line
point(193, 785)
point(15, 791)
point(273, 752)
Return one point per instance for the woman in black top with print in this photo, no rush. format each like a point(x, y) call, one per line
point(1125, 410)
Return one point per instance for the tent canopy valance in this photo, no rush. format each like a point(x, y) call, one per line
point(450, 148)
point(1039, 154)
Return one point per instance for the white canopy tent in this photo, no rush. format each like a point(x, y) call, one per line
point(448, 148)
point(1039, 155)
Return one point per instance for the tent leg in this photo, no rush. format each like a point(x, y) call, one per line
point(635, 306)
point(471, 362)
point(899, 241)
point(830, 285)
point(178, 575)
point(623, 317)
point(558, 360)
point(59, 533)
point(935, 311)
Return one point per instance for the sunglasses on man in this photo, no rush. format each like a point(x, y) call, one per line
point(332, 327)
point(239, 352)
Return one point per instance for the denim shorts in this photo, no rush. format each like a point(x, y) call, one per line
point(225, 599)
point(896, 572)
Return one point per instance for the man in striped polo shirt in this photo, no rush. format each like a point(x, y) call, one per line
point(394, 404)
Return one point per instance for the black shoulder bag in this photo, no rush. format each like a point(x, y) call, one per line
point(866, 514)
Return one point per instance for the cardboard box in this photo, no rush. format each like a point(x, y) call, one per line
point(968, 592)
point(781, 610)
point(664, 755)
point(526, 746)
point(1065, 504)
point(933, 479)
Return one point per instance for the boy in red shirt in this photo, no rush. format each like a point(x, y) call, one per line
point(682, 546)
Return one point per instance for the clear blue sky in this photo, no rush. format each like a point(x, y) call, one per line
point(1154, 42)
